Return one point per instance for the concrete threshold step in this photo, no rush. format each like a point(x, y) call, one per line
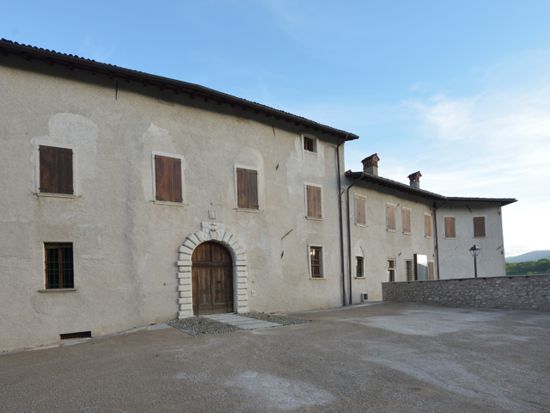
point(245, 323)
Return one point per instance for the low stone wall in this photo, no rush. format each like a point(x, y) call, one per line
point(531, 292)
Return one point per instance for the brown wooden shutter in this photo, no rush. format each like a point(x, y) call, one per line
point(168, 179)
point(390, 216)
point(427, 225)
point(247, 188)
point(360, 217)
point(56, 170)
point(450, 229)
point(479, 226)
point(313, 195)
point(406, 214)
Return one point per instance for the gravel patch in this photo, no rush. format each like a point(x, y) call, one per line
point(276, 318)
point(200, 326)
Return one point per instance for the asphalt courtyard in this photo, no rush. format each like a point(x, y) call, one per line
point(380, 358)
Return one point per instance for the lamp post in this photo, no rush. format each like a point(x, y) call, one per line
point(474, 250)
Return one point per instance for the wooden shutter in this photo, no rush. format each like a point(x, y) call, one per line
point(360, 217)
point(247, 188)
point(427, 225)
point(313, 195)
point(168, 179)
point(406, 215)
point(479, 226)
point(56, 170)
point(450, 230)
point(390, 216)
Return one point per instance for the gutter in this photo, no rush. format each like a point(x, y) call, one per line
point(349, 237)
point(436, 246)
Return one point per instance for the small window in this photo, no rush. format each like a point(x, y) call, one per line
point(409, 270)
point(168, 179)
point(59, 265)
point(247, 188)
point(310, 144)
point(359, 267)
point(56, 170)
point(391, 270)
point(390, 217)
point(427, 225)
point(479, 227)
point(313, 201)
point(406, 217)
point(450, 227)
point(360, 211)
point(316, 261)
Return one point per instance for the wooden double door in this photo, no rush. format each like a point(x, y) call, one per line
point(212, 279)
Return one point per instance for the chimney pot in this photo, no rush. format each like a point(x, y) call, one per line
point(414, 179)
point(370, 164)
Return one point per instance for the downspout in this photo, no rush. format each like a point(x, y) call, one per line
point(342, 263)
point(436, 238)
point(349, 240)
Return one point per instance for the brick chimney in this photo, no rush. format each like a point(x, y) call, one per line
point(370, 164)
point(414, 179)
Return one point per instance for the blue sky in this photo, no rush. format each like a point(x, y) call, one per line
point(457, 89)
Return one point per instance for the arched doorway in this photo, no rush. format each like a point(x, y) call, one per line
point(212, 274)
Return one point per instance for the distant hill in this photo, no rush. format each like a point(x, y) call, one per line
point(530, 256)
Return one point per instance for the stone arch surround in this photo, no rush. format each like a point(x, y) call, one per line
point(211, 231)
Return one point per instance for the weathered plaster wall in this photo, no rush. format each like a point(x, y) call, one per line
point(377, 244)
point(515, 293)
point(454, 257)
point(126, 244)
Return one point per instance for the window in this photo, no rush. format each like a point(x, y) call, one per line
point(409, 270)
point(310, 144)
point(450, 228)
point(406, 216)
point(313, 201)
point(479, 227)
point(391, 270)
point(168, 179)
point(359, 267)
point(59, 265)
point(360, 211)
point(390, 217)
point(427, 225)
point(56, 170)
point(316, 262)
point(247, 188)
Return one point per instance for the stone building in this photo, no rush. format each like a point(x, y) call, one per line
point(129, 199)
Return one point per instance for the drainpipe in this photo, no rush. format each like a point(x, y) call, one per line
point(342, 264)
point(348, 215)
point(434, 209)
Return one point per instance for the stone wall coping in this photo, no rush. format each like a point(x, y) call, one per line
point(471, 279)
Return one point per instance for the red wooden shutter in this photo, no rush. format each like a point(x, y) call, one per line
point(247, 188)
point(479, 226)
point(168, 179)
point(450, 230)
point(56, 170)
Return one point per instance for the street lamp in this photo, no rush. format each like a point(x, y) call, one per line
point(474, 250)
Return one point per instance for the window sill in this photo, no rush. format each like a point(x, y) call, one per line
point(169, 203)
point(390, 230)
point(253, 211)
point(407, 233)
point(314, 218)
point(450, 238)
point(427, 236)
point(317, 278)
point(53, 195)
point(58, 290)
point(361, 225)
point(360, 278)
